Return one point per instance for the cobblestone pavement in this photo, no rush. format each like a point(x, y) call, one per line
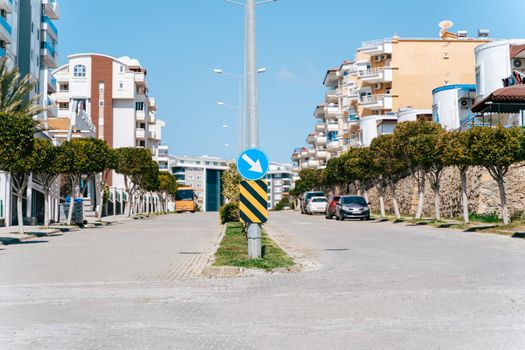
point(364, 285)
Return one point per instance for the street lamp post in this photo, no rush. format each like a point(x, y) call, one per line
point(251, 113)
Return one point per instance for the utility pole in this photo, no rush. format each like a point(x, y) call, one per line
point(251, 112)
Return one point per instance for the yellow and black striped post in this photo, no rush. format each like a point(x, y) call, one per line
point(253, 205)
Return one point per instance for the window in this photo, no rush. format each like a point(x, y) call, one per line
point(101, 103)
point(101, 86)
point(121, 69)
point(63, 87)
point(139, 106)
point(79, 71)
point(63, 105)
point(121, 85)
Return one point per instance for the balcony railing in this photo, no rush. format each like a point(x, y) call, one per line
point(6, 25)
point(49, 47)
point(372, 98)
point(50, 24)
point(371, 71)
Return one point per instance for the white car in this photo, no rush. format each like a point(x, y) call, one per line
point(316, 205)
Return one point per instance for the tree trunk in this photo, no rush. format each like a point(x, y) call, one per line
point(437, 203)
point(382, 205)
point(421, 195)
point(19, 212)
point(503, 198)
point(464, 195)
point(72, 200)
point(46, 208)
point(394, 200)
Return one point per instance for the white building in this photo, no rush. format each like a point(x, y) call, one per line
point(281, 179)
point(452, 105)
point(112, 95)
point(496, 61)
point(203, 174)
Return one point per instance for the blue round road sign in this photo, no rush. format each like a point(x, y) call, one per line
point(252, 164)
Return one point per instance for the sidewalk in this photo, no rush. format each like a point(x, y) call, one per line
point(10, 235)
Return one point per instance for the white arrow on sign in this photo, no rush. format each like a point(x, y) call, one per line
point(254, 166)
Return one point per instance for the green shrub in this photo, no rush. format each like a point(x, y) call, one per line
point(282, 203)
point(229, 212)
point(489, 218)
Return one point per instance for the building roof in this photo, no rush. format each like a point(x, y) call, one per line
point(470, 87)
point(506, 100)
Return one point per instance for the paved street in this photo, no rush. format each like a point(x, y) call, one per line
point(365, 285)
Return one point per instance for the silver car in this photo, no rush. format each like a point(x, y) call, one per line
point(316, 205)
point(352, 207)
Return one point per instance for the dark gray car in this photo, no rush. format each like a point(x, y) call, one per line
point(352, 207)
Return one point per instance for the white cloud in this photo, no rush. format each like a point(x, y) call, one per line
point(285, 74)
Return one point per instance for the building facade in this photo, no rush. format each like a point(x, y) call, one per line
point(388, 81)
point(29, 41)
point(204, 175)
point(281, 179)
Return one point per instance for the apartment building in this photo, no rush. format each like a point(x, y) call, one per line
point(388, 79)
point(28, 39)
point(204, 175)
point(106, 97)
point(281, 179)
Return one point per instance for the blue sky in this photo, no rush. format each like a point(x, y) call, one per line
point(180, 42)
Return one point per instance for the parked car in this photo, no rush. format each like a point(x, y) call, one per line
point(330, 208)
point(352, 207)
point(316, 205)
point(305, 198)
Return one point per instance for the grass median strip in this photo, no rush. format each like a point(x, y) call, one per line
point(233, 251)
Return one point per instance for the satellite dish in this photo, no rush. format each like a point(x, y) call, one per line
point(445, 26)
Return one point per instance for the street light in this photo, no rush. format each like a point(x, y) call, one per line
point(242, 118)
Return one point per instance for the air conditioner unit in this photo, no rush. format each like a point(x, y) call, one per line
point(465, 103)
point(377, 86)
point(387, 92)
point(518, 63)
point(378, 58)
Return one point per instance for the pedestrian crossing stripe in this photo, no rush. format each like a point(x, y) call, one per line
point(253, 205)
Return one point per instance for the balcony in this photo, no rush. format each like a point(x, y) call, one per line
point(152, 104)
point(51, 8)
point(376, 101)
point(321, 154)
point(296, 156)
point(332, 127)
point(304, 154)
point(313, 164)
point(140, 79)
point(376, 75)
point(5, 30)
point(51, 84)
point(333, 146)
point(296, 169)
point(376, 47)
point(6, 5)
point(331, 112)
point(310, 139)
point(320, 127)
point(140, 116)
point(152, 118)
point(49, 27)
point(152, 135)
point(320, 112)
point(51, 108)
point(311, 152)
point(331, 96)
point(49, 54)
point(139, 133)
point(320, 140)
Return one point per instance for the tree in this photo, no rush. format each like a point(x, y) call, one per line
point(427, 150)
point(358, 164)
point(133, 164)
point(81, 157)
point(15, 92)
point(49, 163)
point(231, 180)
point(379, 179)
point(312, 178)
point(16, 154)
point(408, 137)
point(386, 158)
point(497, 149)
point(108, 162)
point(150, 182)
point(458, 153)
point(167, 187)
point(334, 173)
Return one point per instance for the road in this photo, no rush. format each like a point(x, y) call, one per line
point(365, 285)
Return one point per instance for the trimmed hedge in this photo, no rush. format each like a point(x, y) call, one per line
point(229, 212)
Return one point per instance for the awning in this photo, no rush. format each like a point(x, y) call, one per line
point(505, 100)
